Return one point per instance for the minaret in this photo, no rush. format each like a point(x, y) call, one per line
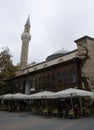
point(25, 37)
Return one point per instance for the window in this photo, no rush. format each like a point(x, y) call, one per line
point(72, 75)
point(59, 77)
point(33, 85)
point(65, 76)
point(35, 81)
point(35, 68)
point(43, 80)
point(45, 65)
point(60, 60)
point(53, 78)
point(23, 87)
point(49, 79)
point(40, 81)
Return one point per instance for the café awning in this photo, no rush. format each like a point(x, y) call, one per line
point(41, 95)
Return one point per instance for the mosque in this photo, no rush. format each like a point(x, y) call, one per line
point(59, 71)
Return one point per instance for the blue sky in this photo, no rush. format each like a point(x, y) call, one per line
point(55, 24)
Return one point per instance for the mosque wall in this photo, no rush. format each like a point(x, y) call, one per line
point(86, 54)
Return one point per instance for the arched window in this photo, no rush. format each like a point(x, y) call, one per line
point(45, 65)
point(43, 80)
point(36, 82)
point(35, 68)
point(65, 76)
point(60, 60)
point(33, 82)
point(49, 79)
point(39, 80)
point(72, 75)
point(53, 78)
point(23, 86)
point(59, 77)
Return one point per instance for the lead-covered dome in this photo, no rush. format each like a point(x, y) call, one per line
point(56, 54)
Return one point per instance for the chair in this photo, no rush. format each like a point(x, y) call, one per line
point(55, 112)
point(71, 113)
point(33, 109)
point(45, 111)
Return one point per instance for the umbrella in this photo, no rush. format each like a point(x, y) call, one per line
point(72, 92)
point(20, 96)
point(1, 96)
point(41, 95)
point(7, 96)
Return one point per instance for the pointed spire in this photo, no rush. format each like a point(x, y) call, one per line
point(28, 21)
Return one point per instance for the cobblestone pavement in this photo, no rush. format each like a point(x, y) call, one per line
point(27, 121)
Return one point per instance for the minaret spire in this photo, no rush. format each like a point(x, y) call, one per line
point(28, 21)
point(25, 37)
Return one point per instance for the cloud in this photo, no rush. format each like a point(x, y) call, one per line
point(55, 24)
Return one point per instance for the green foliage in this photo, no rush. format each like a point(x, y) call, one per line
point(7, 70)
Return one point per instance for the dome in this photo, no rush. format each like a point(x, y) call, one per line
point(60, 52)
point(56, 54)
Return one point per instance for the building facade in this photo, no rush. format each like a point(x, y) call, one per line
point(59, 71)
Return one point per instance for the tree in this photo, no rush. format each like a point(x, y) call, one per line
point(7, 70)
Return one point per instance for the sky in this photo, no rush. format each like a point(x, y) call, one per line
point(55, 25)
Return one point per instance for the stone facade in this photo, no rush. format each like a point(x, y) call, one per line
point(86, 54)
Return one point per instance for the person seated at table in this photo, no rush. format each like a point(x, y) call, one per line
point(66, 109)
point(76, 111)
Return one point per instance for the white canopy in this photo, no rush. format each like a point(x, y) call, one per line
point(72, 92)
point(7, 96)
point(14, 96)
point(41, 95)
point(20, 96)
point(1, 96)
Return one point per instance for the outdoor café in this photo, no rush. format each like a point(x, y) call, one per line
point(69, 103)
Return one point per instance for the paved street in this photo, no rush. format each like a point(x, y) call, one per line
point(27, 121)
